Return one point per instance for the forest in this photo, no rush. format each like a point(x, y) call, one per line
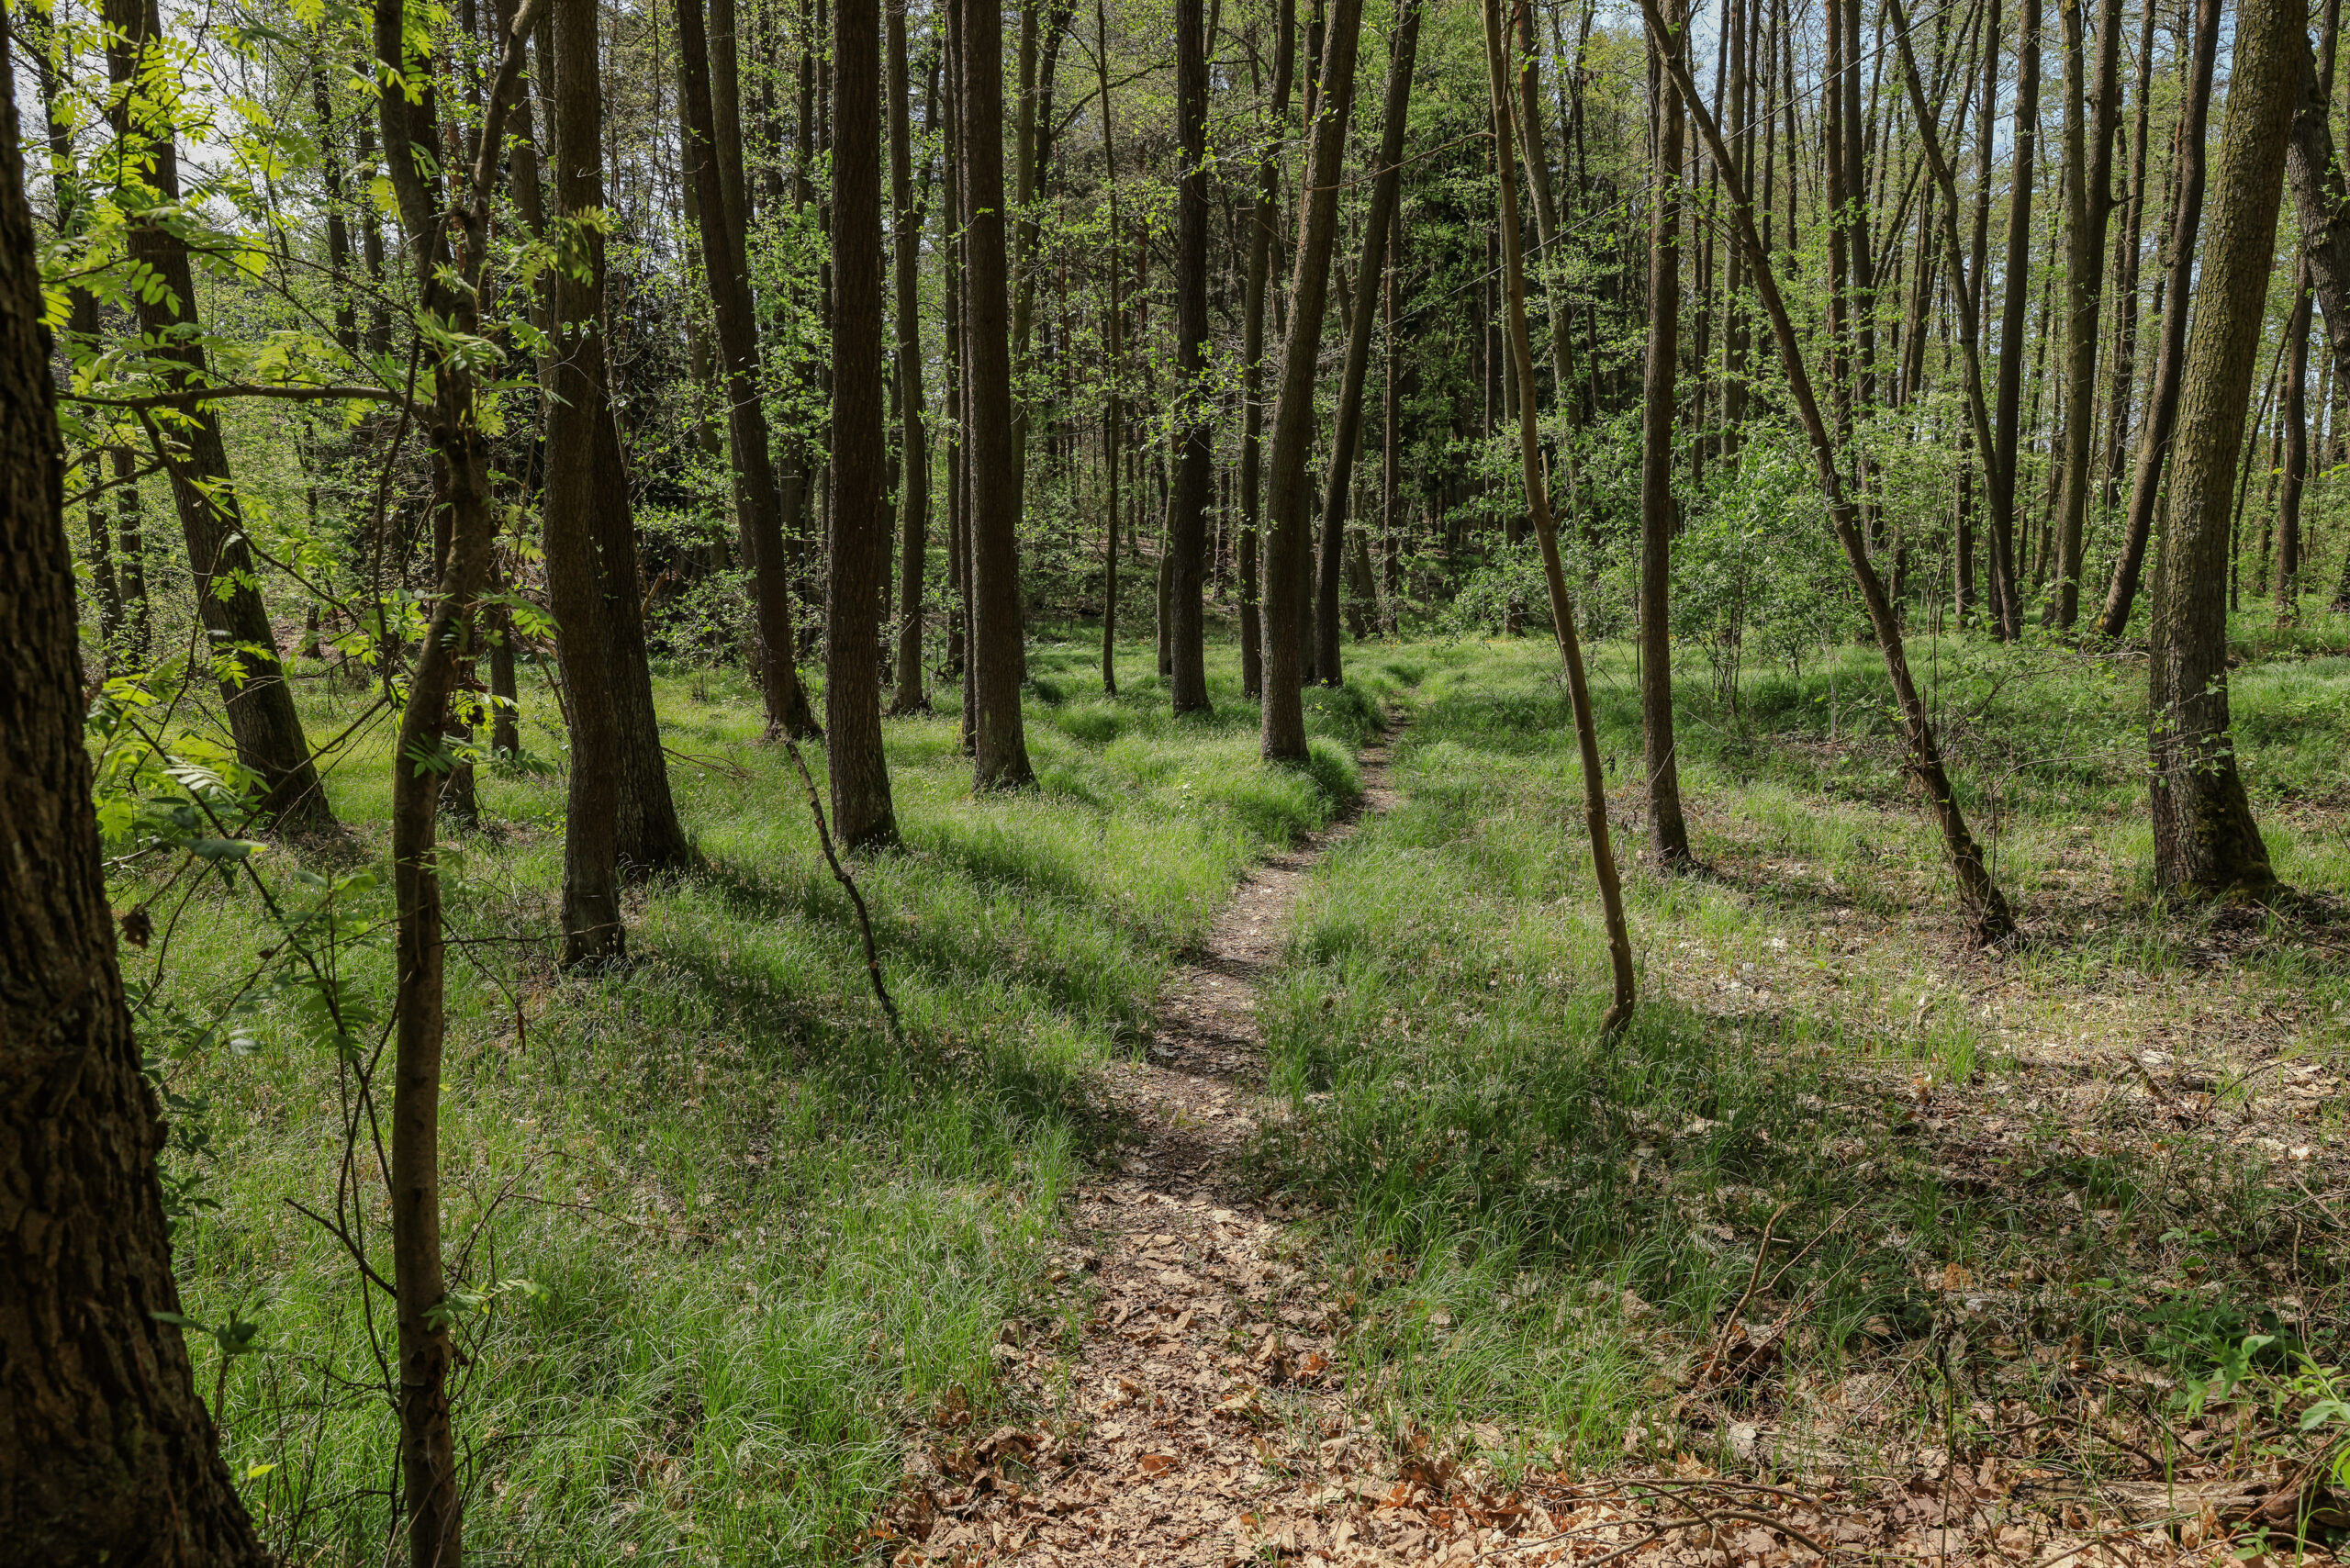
point(1318, 783)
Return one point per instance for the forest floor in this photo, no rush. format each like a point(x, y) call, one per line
point(1257, 1189)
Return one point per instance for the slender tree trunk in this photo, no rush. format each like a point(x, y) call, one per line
point(450, 241)
point(2007, 592)
point(757, 500)
point(1001, 748)
point(1288, 556)
point(1267, 219)
point(2088, 208)
point(2321, 200)
point(2127, 246)
point(2297, 452)
point(862, 811)
point(1986, 908)
point(913, 486)
point(1113, 416)
point(1346, 432)
point(1188, 501)
point(2206, 842)
point(1668, 831)
point(1538, 498)
point(592, 933)
point(2170, 354)
point(261, 719)
point(107, 1453)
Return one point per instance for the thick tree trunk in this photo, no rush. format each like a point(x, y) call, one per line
point(1345, 430)
point(592, 933)
point(106, 1454)
point(914, 483)
point(999, 757)
point(2170, 353)
point(1538, 498)
point(2205, 839)
point(1668, 830)
point(268, 732)
point(862, 813)
point(1288, 555)
point(1188, 500)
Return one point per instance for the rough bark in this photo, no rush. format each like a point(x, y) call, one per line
point(1189, 497)
point(592, 933)
point(107, 1453)
point(1266, 220)
point(1346, 429)
point(914, 483)
point(1288, 552)
point(1000, 749)
point(862, 813)
point(2206, 842)
point(1668, 830)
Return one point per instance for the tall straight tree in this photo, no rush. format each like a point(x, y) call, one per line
point(1114, 359)
point(1668, 830)
point(2297, 450)
point(862, 814)
point(1188, 498)
point(2206, 842)
point(1288, 552)
point(1538, 502)
point(261, 719)
point(758, 503)
point(2007, 593)
point(1986, 908)
point(914, 483)
point(1265, 222)
point(107, 1453)
point(1346, 432)
point(578, 388)
point(1000, 745)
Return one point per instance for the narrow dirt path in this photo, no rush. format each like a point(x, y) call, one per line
point(1199, 1421)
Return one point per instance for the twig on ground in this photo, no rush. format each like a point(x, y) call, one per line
point(840, 874)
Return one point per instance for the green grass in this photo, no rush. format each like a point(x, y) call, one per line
point(1493, 1178)
point(761, 1243)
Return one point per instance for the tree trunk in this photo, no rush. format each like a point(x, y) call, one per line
point(1114, 362)
point(1288, 555)
point(1346, 431)
point(1668, 831)
point(913, 486)
point(592, 933)
point(1538, 498)
point(2321, 202)
point(2088, 208)
point(1192, 419)
point(2297, 452)
point(1267, 219)
point(757, 501)
point(106, 1454)
point(999, 757)
point(450, 240)
point(2007, 592)
point(2170, 353)
point(2206, 842)
point(862, 813)
point(261, 719)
